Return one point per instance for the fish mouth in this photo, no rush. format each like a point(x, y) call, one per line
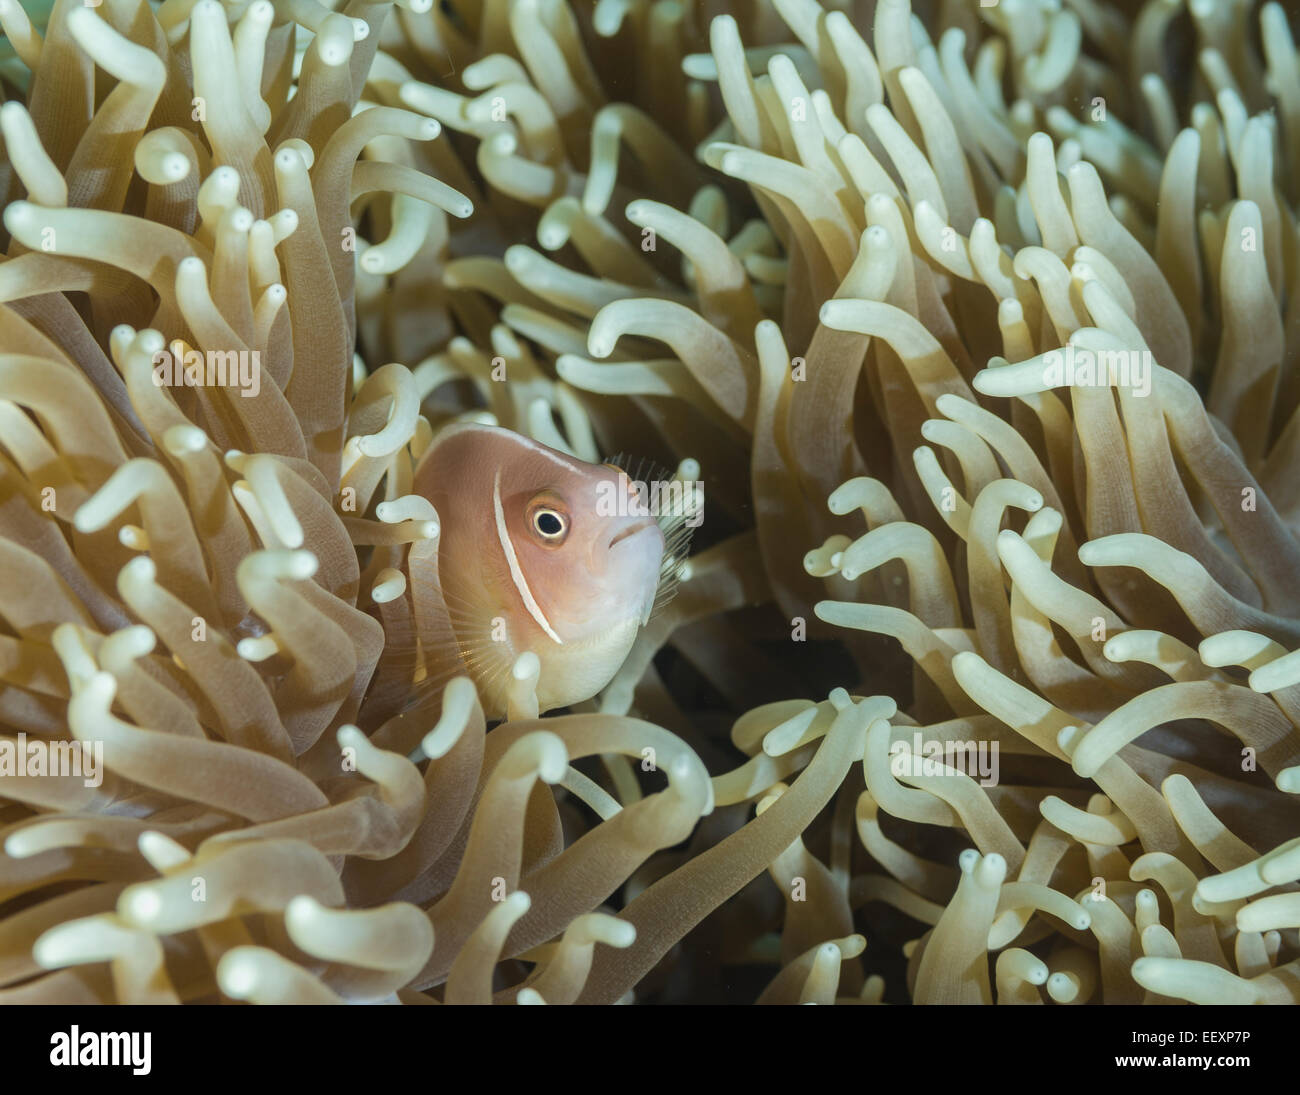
point(633, 530)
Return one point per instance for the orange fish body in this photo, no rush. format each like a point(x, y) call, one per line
point(539, 552)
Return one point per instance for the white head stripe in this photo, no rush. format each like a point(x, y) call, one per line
point(536, 448)
point(512, 560)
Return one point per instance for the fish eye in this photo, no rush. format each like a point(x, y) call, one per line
point(550, 524)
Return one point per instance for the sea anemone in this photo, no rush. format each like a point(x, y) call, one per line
point(981, 325)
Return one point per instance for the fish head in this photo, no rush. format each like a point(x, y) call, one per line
point(586, 542)
point(541, 553)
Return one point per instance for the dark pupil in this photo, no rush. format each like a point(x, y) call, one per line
point(548, 524)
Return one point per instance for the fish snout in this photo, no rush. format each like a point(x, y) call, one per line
point(633, 553)
point(633, 527)
point(633, 558)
